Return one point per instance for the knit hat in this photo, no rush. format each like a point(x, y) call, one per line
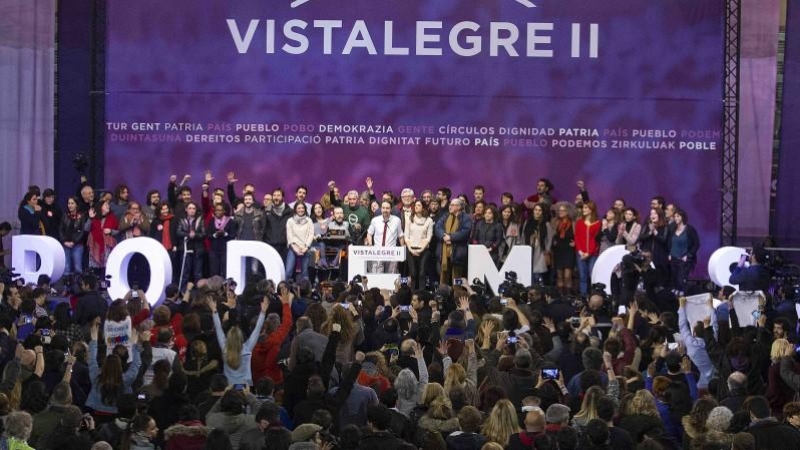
point(719, 419)
point(305, 432)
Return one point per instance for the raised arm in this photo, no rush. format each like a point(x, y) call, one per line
point(251, 341)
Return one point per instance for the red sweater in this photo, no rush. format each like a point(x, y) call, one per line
point(264, 362)
point(585, 237)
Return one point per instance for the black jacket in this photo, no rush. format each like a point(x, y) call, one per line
point(90, 305)
point(383, 440)
point(276, 226)
point(769, 434)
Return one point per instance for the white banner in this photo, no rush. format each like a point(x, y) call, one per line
point(697, 308)
point(378, 253)
point(746, 306)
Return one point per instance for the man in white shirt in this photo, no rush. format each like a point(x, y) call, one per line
point(385, 230)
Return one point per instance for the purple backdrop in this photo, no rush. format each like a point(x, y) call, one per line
point(655, 80)
point(787, 217)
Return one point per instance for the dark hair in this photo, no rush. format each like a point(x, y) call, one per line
point(389, 398)
point(279, 438)
point(218, 439)
point(265, 386)
point(683, 215)
point(218, 383)
point(759, 407)
point(567, 438)
point(89, 280)
point(662, 202)
point(547, 183)
point(232, 403)
point(118, 191)
point(379, 416)
point(605, 408)
point(178, 381)
point(268, 411)
point(5, 226)
point(447, 192)
point(137, 424)
point(117, 311)
point(188, 412)
point(150, 194)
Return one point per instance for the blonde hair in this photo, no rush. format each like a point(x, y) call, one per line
point(234, 342)
point(778, 347)
point(492, 446)
point(589, 406)
point(501, 423)
point(455, 376)
point(431, 392)
point(441, 408)
point(643, 403)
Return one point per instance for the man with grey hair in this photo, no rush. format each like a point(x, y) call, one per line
point(45, 423)
point(592, 359)
point(452, 231)
point(307, 337)
point(354, 213)
point(737, 391)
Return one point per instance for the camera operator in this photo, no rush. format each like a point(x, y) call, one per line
point(752, 277)
point(636, 267)
point(90, 303)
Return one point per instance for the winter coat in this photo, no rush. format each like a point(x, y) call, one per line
point(189, 435)
point(383, 440)
point(769, 434)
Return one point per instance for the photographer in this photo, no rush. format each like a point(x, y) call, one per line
point(90, 303)
point(638, 266)
point(752, 277)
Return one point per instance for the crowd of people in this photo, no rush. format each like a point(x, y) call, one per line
point(321, 362)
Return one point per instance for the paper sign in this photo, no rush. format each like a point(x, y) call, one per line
point(697, 308)
point(746, 304)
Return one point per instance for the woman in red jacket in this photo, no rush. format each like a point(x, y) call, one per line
point(264, 362)
point(586, 230)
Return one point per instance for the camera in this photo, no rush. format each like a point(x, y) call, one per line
point(504, 301)
point(403, 281)
point(550, 374)
point(238, 387)
point(512, 340)
point(229, 284)
point(7, 276)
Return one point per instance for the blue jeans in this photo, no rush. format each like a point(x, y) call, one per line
point(585, 267)
point(291, 262)
point(74, 259)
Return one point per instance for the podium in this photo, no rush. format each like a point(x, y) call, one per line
point(358, 256)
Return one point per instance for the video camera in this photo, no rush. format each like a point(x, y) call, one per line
point(8, 277)
point(510, 287)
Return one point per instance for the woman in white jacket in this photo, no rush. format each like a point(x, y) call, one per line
point(418, 233)
point(299, 237)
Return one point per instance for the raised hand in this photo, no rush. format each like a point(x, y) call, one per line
point(369, 183)
point(232, 178)
point(443, 348)
point(173, 179)
point(207, 177)
point(548, 323)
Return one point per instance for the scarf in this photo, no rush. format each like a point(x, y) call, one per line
point(30, 209)
point(300, 220)
point(221, 223)
point(629, 225)
point(451, 225)
point(166, 236)
point(564, 225)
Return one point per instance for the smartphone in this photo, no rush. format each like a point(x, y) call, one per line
point(238, 387)
point(458, 282)
point(797, 348)
point(622, 309)
point(672, 346)
point(504, 301)
point(405, 308)
point(345, 305)
point(550, 374)
point(134, 294)
point(404, 280)
point(512, 339)
point(575, 322)
point(141, 397)
point(44, 332)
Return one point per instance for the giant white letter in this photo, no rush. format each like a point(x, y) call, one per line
point(719, 265)
point(157, 258)
point(23, 257)
point(605, 265)
point(239, 251)
point(481, 265)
